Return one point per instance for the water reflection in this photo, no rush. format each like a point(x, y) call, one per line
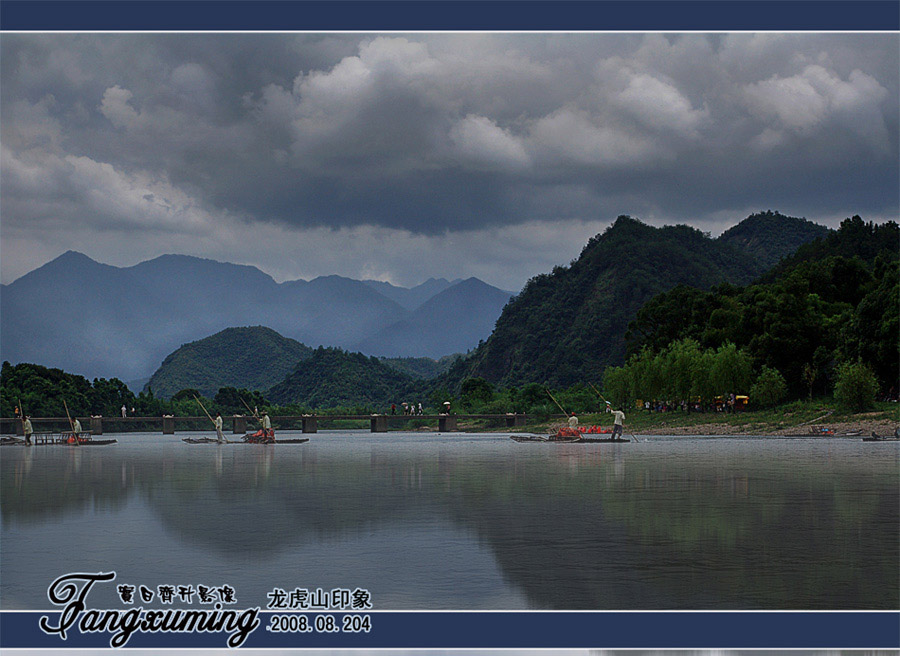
point(667, 524)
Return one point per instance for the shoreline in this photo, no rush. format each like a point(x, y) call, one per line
point(865, 425)
point(840, 429)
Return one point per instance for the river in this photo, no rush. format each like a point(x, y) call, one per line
point(463, 521)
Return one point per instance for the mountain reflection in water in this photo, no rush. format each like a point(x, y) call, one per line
point(464, 521)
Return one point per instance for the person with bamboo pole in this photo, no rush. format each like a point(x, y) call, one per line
point(73, 438)
point(27, 429)
point(220, 437)
point(618, 423)
point(217, 422)
point(268, 433)
point(571, 431)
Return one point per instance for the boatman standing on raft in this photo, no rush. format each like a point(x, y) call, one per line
point(573, 421)
point(76, 431)
point(218, 422)
point(267, 427)
point(618, 422)
point(27, 430)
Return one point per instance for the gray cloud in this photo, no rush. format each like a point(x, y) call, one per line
point(216, 140)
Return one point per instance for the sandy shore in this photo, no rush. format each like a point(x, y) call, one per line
point(865, 427)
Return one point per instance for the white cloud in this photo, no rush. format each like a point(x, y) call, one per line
point(481, 141)
point(571, 135)
point(117, 108)
point(817, 97)
point(660, 105)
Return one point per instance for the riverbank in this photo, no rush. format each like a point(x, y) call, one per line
point(797, 418)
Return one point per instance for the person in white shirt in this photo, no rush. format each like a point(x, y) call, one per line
point(220, 438)
point(76, 426)
point(573, 421)
point(27, 430)
point(618, 423)
point(268, 434)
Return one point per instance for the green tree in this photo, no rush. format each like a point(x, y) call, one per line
point(682, 362)
point(809, 377)
point(855, 386)
point(617, 385)
point(731, 370)
point(703, 387)
point(187, 394)
point(769, 388)
point(476, 392)
point(231, 399)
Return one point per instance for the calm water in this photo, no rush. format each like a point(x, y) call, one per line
point(464, 521)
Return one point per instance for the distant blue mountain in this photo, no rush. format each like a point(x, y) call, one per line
point(452, 321)
point(104, 321)
point(413, 297)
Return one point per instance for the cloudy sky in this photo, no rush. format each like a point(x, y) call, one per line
point(404, 156)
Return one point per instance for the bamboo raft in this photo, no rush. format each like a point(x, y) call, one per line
point(531, 437)
point(56, 439)
point(875, 437)
point(212, 440)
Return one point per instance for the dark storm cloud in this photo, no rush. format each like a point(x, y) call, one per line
point(438, 134)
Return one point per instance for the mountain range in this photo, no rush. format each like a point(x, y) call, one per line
point(102, 321)
point(570, 324)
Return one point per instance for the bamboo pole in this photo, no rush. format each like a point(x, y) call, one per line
point(22, 418)
point(252, 412)
point(71, 424)
point(210, 417)
point(599, 394)
point(557, 403)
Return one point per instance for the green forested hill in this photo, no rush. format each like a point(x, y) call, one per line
point(254, 358)
point(566, 326)
point(854, 239)
point(333, 377)
point(50, 392)
point(769, 236)
point(837, 299)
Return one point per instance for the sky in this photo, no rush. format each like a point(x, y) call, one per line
point(401, 157)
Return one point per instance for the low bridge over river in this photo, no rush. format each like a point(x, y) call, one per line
point(241, 423)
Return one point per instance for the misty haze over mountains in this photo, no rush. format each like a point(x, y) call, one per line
point(104, 321)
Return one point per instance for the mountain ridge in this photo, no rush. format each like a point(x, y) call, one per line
point(569, 324)
point(123, 321)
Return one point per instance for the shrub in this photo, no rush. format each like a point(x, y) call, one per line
point(769, 388)
point(855, 386)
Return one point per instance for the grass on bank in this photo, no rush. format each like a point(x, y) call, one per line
point(787, 417)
